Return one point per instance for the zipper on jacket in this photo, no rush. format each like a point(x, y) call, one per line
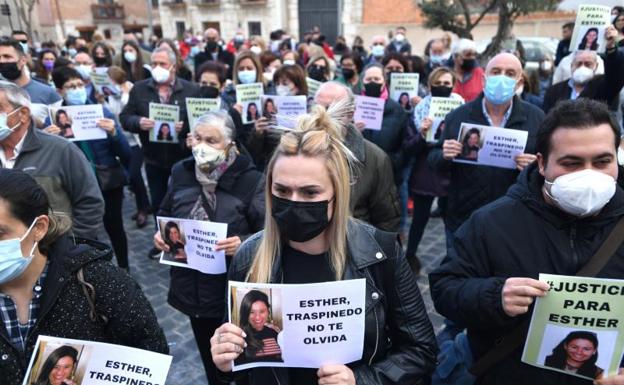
point(573, 245)
point(370, 362)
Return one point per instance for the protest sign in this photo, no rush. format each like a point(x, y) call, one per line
point(196, 107)
point(78, 122)
point(490, 146)
point(309, 325)
point(589, 28)
point(576, 327)
point(102, 82)
point(94, 363)
point(369, 111)
point(403, 87)
point(248, 96)
point(192, 244)
point(313, 86)
point(283, 111)
point(165, 117)
point(438, 109)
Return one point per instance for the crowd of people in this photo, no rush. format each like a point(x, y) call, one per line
point(327, 201)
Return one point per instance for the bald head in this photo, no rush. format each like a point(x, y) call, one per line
point(378, 39)
point(330, 92)
point(211, 34)
point(504, 64)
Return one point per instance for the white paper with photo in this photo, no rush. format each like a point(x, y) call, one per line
point(403, 83)
point(497, 146)
point(196, 107)
point(199, 239)
point(438, 109)
point(83, 121)
point(250, 95)
point(323, 323)
point(591, 23)
point(369, 110)
point(165, 117)
point(101, 363)
point(102, 82)
point(288, 109)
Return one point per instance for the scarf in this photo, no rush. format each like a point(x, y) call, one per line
point(208, 182)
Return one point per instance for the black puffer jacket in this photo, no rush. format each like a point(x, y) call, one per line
point(240, 204)
point(65, 308)
point(519, 235)
point(472, 186)
point(399, 344)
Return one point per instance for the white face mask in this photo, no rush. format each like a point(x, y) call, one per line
point(620, 156)
point(206, 157)
point(582, 193)
point(160, 75)
point(288, 62)
point(582, 75)
point(546, 66)
point(283, 91)
point(399, 37)
point(255, 50)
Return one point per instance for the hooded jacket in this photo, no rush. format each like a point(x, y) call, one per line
point(65, 310)
point(519, 235)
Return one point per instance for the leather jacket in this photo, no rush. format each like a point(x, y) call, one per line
point(399, 343)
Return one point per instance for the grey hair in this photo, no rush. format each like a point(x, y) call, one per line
point(592, 53)
point(15, 95)
point(219, 119)
point(170, 54)
point(463, 45)
point(372, 65)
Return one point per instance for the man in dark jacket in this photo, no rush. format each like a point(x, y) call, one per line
point(400, 43)
point(214, 51)
point(563, 48)
point(535, 229)
point(159, 157)
point(473, 186)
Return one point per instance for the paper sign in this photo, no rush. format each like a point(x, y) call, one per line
point(283, 111)
point(192, 244)
point(577, 318)
point(248, 95)
point(197, 107)
point(403, 87)
point(589, 28)
point(102, 82)
point(165, 117)
point(438, 109)
point(313, 86)
point(94, 363)
point(490, 146)
point(309, 325)
point(78, 122)
point(369, 111)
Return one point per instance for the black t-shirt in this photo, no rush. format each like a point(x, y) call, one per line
point(299, 267)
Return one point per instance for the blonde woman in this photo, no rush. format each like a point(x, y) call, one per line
point(305, 240)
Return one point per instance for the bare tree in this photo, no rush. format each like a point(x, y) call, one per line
point(25, 10)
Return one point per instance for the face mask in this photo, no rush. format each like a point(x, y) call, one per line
point(441, 91)
point(10, 71)
point(289, 62)
point(99, 61)
point(378, 50)
point(12, 262)
point(546, 66)
point(582, 75)
point(130, 56)
point(348, 73)
point(399, 37)
point(317, 73)
point(48, 65)
point(520, 90)
point(209, 92)
point(211, 46)
point(436, 60)
point(160, 74)
point(206, 157)
point(72, 52)
point(499, 89)
point(76, 97)
point(255, 50)
point(247, 77)
point(239, 38)
point(620, 156)
point(194, 50)
point(5, 130)
point(84, 71)
point(373, 89)
point(283, 91)
point(468, 65)
point(299, 221)
point(582, 193)
point(25, 48)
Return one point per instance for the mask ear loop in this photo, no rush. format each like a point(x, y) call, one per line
point(32, 250)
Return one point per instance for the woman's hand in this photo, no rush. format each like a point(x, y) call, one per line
point(335, 375)
point(67, 381)
point(612, 380)
point(230, 245)
point(226, 345)
point(159, 243)
point(146, 124)
point(415, 100)
point(190, 140)
point(107, 125)
point(239, 108)
point(360, 126)
point(179, 126)
point(52, 129)
point(261, 125)
point(425, 126)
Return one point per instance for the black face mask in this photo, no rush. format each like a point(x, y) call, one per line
point(441, 91)
point(209, 92)
point(468, 64)
point(99, 61)
point(373, 89)
point(340, 46)
point(299, 221)
point(211, 46)
point(348, 73)
point(10, 71)
point(316, 73)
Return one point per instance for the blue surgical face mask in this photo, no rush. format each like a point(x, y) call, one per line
point(436, 59)
point(12, 262)
point(5, 130)
point(76, 97)
point(247, 77)
point(499, 89)
point(378, 50)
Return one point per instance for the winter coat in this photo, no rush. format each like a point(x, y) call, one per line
point(519, 235)
point(65, 309)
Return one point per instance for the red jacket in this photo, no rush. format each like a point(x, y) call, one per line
point(471, 88)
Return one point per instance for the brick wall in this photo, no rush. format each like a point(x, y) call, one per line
point(391, 11)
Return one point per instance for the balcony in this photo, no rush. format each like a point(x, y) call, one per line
point(174, 3)
point(108, 12)
point(207, 3)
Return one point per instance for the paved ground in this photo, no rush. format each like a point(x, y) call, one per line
point(154, 279)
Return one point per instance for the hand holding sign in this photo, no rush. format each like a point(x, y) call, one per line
point(613, 380)
point(451, 149)
point(229, 245)
point(107, 125)
point(523, 160)
point(146, 124)
point(425, 126)
point(226, 344)
point(518, 294)
point(610, 35)
point(335, 375)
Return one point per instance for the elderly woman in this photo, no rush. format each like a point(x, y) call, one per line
point(59, 288)
point(216, 184)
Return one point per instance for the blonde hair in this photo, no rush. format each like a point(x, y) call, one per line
point(318, 134)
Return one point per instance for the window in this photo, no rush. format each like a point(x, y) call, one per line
point(255, 28)
point(154, 3)
point(211, 24)
point(180, 28)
